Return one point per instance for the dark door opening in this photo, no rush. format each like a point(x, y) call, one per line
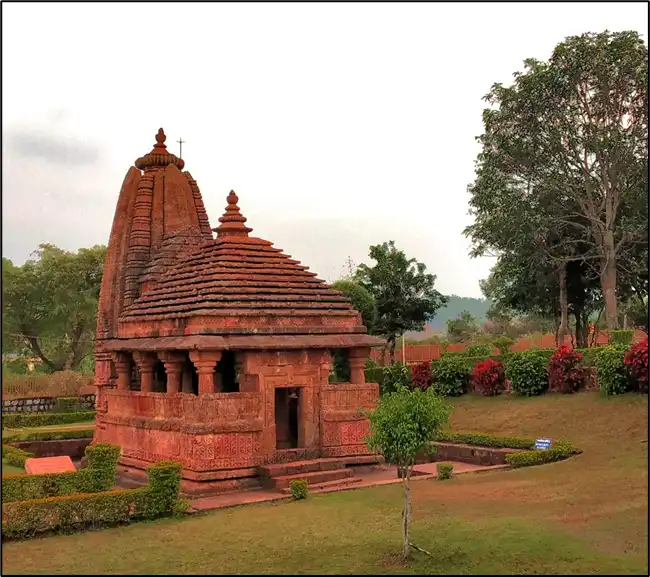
point(226, 372)
point(287, 408)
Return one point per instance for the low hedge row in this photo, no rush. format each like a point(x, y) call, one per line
point(526, 458)
point(558, 452)
point(24, 420)
point(22, 519)
point(14, 456)
point(98, 476)
point(485, 440)
point(50, 435)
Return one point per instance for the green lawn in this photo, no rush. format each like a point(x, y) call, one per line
point(585, 515)
point(8, 469)
point(48, 428)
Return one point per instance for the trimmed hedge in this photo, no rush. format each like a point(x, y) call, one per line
point(98, 476)
point(23, 519)
point(528, 457)
point(14, 456)
point(557, 452)
point(30, 420)
point(485, 440)
point(50, 435)
point(527, 372)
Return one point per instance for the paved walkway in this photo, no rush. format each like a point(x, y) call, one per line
point(370, 477)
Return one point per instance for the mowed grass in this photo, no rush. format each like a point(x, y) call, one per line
point(49, 428)
point(586, 515)
point(8, 469)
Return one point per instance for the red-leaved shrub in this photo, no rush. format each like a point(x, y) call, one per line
point(489, 378)
point(565, 375)
point(636, 361)
point(421, 376)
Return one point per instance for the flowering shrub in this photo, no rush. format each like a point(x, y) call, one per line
point(565, 375)
point(489, 377)
point(421, 376)
point(636, 361)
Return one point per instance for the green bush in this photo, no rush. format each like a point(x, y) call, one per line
point(503, 345)
point(444, 471)
point(375, 375)
point(50, 435)
point(621, 337)
point(527, 372)
point(450, 376)
point(479, 350)
point(164, 486)
point(299, 489)
point(68, 405)
point(394, 377)
point(613, 378)
point(484, 440)
point(14, 456)
point(98, 476)
point(24, 420)
point(26, 518)
point(558, 452)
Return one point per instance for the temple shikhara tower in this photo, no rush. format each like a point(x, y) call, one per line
point(216, 352)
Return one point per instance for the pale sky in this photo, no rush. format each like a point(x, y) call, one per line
point(338, 125)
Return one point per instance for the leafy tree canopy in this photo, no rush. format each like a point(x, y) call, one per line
point(404, 292)
point(49, 304)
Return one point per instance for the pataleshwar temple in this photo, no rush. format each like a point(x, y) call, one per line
point(214, 348)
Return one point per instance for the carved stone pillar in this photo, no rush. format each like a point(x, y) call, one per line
point(173, 362)
point(205, 363)
point(146, 364)
point(358, 364)
point(124, 368)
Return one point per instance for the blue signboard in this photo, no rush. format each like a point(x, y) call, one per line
point(542, 444)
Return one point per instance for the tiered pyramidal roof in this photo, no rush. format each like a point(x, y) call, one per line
point(235, 275)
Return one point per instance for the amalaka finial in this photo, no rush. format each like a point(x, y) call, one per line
point(232, 221)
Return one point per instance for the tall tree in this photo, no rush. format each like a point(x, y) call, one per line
point(361, 298)
point(574, 132)
point(404, 292)
point(49, 304)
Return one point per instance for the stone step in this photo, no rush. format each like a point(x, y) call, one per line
point(312, 478)
point(328, 485)
point(297, 467)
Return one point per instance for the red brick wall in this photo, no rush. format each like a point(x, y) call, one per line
point(421, 353)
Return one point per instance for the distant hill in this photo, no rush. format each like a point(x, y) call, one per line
point(456, 305)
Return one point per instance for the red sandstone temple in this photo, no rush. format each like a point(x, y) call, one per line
point(216, 352)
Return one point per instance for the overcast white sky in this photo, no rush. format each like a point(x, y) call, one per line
point(338, 125)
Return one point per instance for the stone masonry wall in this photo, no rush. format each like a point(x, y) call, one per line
point(43, 404)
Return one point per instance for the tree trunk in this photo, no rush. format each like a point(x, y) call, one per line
point(608, 281)
point(391, 343)
point(563, 329)
point(406, 513)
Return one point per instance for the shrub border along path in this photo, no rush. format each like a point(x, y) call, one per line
point(528, 456)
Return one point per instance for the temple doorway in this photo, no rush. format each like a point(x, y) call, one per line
point(287, 409)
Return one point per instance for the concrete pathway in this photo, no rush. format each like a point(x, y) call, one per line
point(370, 477)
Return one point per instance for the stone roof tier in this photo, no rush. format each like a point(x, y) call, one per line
point(237, 284)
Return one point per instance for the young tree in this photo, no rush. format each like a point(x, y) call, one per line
point(573, 133)
point(404, 292)
point(49, 304)
point(401, 427)
point(462, 328)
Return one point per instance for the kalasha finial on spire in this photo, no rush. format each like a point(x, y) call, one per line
point(159, 157)
point(232, 221)
point(160, 139)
